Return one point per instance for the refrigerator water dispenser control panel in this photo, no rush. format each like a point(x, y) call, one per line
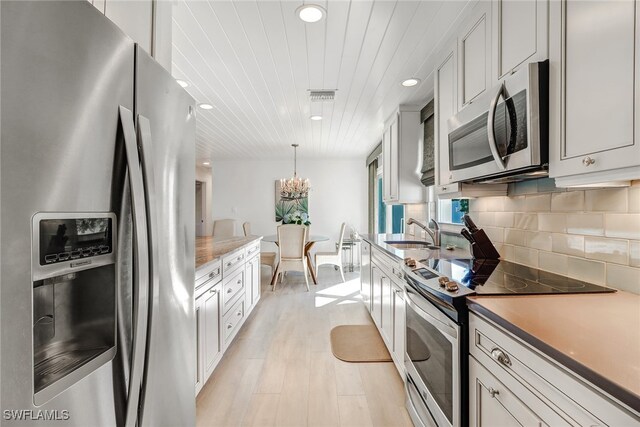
point(68, 242)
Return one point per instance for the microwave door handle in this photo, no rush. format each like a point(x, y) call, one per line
point(140, 266)
point(491, 131)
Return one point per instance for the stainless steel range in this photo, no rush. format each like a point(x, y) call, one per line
point(436, 327)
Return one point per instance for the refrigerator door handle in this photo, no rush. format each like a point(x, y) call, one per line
point(141, 266)
point(146, 157)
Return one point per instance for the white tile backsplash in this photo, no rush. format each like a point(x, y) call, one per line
point(585, 223)
point(568, 201)
point(538, 240)
point(567, 244)
point(587, 270)
point(622, 277)
point(606, 199)
point(603, 249)
point(591, 235)
point(624, 226)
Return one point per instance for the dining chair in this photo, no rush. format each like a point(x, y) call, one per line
point(246, 227)
point(332, 258)
point(292, 239)
point(224, 228)
point(266, 258)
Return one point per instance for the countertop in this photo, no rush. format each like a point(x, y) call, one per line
point(209, 248)
point(595, 335)
point(417, 254)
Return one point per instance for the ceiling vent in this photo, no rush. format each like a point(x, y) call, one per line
point(321, 95)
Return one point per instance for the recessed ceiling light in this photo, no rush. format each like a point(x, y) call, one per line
point(206, 163)
point(316, 117)
point(310, 12)
point(182, 83)
point(205, 106)
point(410, 82)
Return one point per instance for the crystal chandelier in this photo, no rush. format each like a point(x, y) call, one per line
point(294, 188)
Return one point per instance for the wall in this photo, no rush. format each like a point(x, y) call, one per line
point(205, 176)
point(245, 190)
point(591, 235)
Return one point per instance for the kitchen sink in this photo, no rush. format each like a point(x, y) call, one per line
point(410, 244)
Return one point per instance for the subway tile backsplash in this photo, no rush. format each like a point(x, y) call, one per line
point(588, 234)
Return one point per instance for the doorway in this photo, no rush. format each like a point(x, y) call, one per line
point(200, 207)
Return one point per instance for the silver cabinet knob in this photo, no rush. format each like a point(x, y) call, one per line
point(229, 326)
point(493, 392)
point(229, 290)
point(500, 356)
point(213, 292)
point(588, 161)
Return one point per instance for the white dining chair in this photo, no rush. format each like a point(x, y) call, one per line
point(246, 227)
point(332, 258)
point(266, 258)
point(292, 240)
point(224, 228)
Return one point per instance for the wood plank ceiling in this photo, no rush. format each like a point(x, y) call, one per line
point(254, 62)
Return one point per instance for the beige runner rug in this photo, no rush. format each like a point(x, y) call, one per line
point(358, 343)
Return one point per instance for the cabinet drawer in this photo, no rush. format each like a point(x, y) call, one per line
point(252, 250)
point(208, 275)
point(232, 320)
point(509, 359)
point(231, 287)
point(232, 261)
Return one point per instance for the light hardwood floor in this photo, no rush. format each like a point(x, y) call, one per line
point(280, 371)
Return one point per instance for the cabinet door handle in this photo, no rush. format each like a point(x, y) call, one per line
point(213, 292)
point(239, 281)
point(493, 392)
point(500, 356)
point(588, 161)
point(229, 326)
point(239, 314)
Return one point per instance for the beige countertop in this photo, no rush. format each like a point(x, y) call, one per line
point(380, 241)
point(209, 248)
point(595, 335)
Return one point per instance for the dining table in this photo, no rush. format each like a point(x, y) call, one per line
point(311, 240)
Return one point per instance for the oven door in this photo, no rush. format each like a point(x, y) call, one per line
point(432, 360)
point(499, 133)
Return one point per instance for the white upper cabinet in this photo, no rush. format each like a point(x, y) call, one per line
point(445, 107)
point(402, 157)
point(520, 34)
point(594, 54)
point(147, 22)
point(474, 45)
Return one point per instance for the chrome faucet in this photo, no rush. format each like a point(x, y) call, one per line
point(434, 234)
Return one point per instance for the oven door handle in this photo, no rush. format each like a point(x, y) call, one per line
point(491, 133)
point(446, 328)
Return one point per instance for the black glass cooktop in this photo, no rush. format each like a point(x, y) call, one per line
point(494, 277)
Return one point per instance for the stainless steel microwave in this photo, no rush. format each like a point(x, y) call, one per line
point(502, 135)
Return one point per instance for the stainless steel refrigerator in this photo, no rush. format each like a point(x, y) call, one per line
point(97, 225)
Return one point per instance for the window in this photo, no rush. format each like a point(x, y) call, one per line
point(381, 209)
point(451, 211)
point(389, 218)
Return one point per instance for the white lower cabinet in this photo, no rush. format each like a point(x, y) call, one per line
point(399, 325)
point(388, 305)
point(493, 404)
point(208, 339)
point(211, 329)
point(226, 292)
point(513, 384)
